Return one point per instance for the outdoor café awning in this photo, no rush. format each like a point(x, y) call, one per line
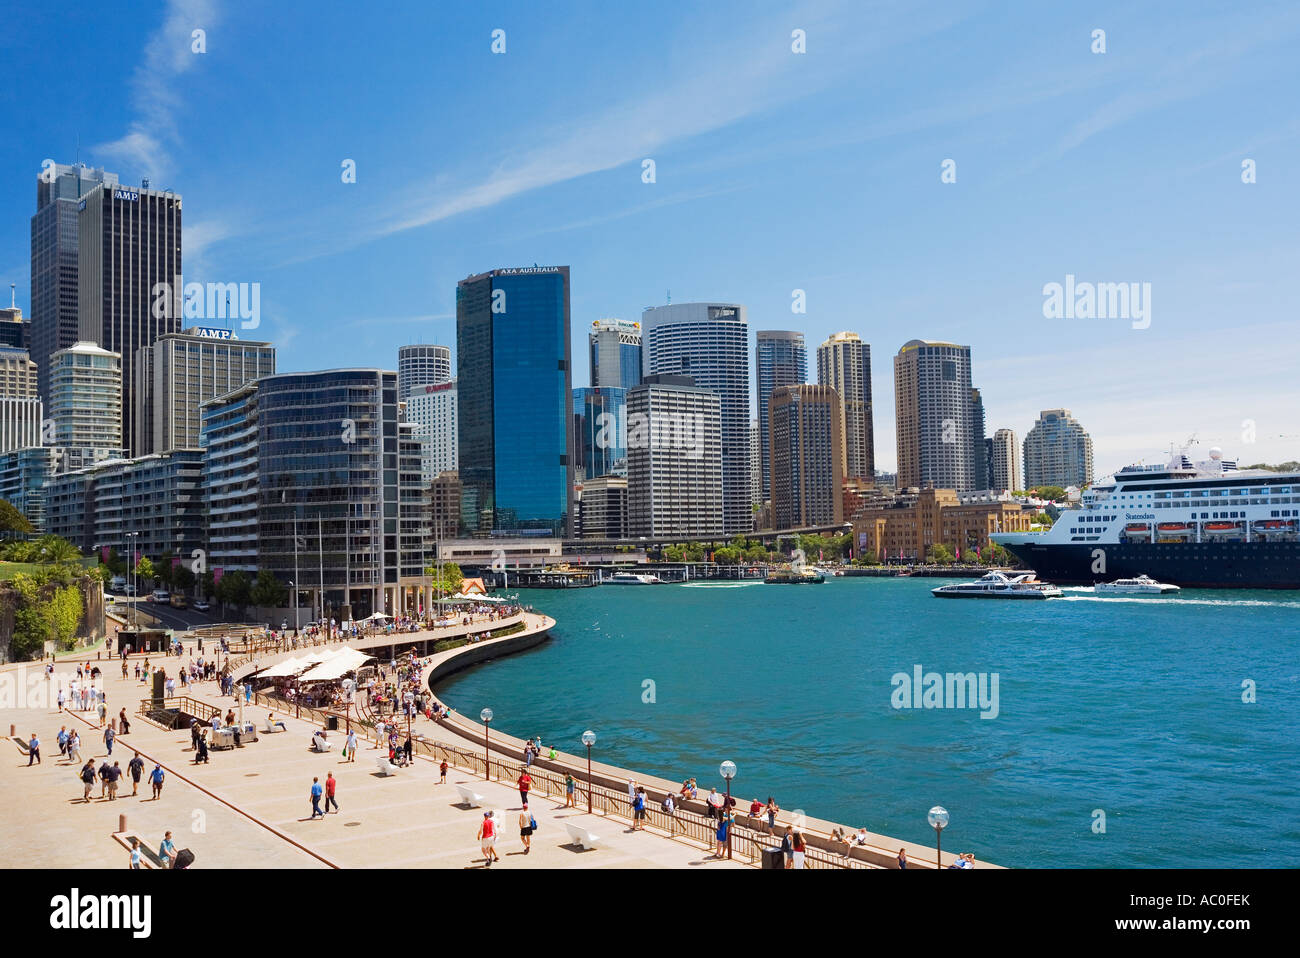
point(344, 661)
point(291, 666)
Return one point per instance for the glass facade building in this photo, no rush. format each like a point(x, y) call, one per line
point(780, 359)
point(600, 430)
point(515, 402)
point(615, 353)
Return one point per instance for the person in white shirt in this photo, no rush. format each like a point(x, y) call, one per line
point(861, 837)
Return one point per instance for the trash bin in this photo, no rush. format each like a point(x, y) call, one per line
point(332, 723)
point(773, 858)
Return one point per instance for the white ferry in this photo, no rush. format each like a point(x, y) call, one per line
point(1197, 525)
point(999, 585)
point(1140, 585)
point(633, 578)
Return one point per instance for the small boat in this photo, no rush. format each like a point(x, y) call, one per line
point(1175, 527)
point(999, 585)
point(1274, 526)
point(806, 576)
point(634, 578)
point(1137, 528)
point(1141, 585)
point(1222, 527)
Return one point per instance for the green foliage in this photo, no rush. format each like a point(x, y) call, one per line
point(451, 580)
point(164, 569)
point(235, 589)
point(266, 592)
point(694, 552)
point(1290, 466)
point(44, 611)
point(940, 554)
point(145, 570)
point(1054, 493)
point(674, 554)
point(11, 520)
point(727, 555)
point(207, 585)
point(182, 578)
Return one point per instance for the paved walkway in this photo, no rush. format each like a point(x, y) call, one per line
point(406, 820)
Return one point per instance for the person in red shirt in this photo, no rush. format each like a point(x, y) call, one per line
point(487, 838)
point(331, 783)
point(443, 770)
point(755, 809)
point(525, 783)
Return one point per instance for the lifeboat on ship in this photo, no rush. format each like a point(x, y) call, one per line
point(1274, 526)
point(1175, 528)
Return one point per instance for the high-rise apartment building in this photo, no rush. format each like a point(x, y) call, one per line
point(179, 372)
point(1006, 461)
point(23, 473)
point(709, 342)
point(86, 404)
point(20, 405)
point(516, 396)
point(433, 410)
point(419, 365)
point(844, 364)
point(1058, 451)
point(128, 274)
point(59, 191)
point(228, 435)
point(675, 477)
point(780, 359)
point(808, 456)
point(979, 449)
point(604, 508)
point(936, 417)
point(615, 346)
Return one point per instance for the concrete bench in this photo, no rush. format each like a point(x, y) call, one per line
point(385, 766)
point(468, 797)
point(581, 836)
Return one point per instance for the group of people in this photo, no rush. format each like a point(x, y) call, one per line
point(168, 857)
point(533, 750)
point(110, 775)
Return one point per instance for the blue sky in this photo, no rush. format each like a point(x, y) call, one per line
point(775, 171)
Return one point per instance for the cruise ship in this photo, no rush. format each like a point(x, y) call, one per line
point(1204, 525)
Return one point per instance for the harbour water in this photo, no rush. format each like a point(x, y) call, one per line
point(1127, 708)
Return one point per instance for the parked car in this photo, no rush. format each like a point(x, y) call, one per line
point(178, 601)
point(201, 606)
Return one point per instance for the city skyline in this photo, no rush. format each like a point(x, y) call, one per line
point(1076, 162)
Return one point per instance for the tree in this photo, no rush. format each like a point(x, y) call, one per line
point(727, 555)
point(1051, 493)
point(694, 552)
point(207, 585)
point(939, 554)
point(11, 520)
point(183, 578)
point(235, 589)
point(451, 578)
point(674, 553)
point(164, 568)
point(266, 592)
point(145, 570)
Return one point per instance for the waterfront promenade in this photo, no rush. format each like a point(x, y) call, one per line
point(249, 807)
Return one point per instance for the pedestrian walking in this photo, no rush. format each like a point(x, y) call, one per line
point(798, 848)
point(331, 785)
point(114, 774)
point(442, 773)
point(74, 746)
point(62, 699)
point(63, 740)
point(156, 780)
point(136, 768)
point(526, 825)
point(201, 756)
point(525, 782)
point(638, 810)
point(123, 724)
point(104, 772)
point(316, 792)
point(487, 839)
point(135, 853)
point(724, 830)
point(88, 778)
point(570, 791)
point(351, 746)
point(102, 711)
point(109, 735)
point(33, 751)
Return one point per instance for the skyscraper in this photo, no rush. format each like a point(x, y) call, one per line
point(419, 365)
point(979, 452)
point(600, 431)
point(675, 471)
point(808, 456)
point(128, 243)
point(59, 190)
point(615, 346)
point(515, 395)
point(179, 372)
point(433, 408)
point(1006, 461)
point(1058, 451)
point(20, 406)
point(780, 359)
point(710, 343)
point(15, 331)
point(86, 404)
point(844, 364)
point(936, 417)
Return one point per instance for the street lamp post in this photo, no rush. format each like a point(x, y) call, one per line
point(589, 739)
point(486, 716)
point(728, 771)
point(938, 818)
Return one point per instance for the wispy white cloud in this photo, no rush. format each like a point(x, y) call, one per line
point(168, 54)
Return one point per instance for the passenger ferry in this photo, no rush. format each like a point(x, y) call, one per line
point(1141, 585)
point(999, 585)
point(1205, 525)
point(795, 576)
point(633, 578)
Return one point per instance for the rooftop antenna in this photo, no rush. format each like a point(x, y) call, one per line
point(669, 294)
point(13, 302)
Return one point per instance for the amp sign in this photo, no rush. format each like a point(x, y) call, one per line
point(131, 196)
point(213, 332)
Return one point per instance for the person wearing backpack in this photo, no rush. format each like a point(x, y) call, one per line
point(527, 824)
point(638, 810)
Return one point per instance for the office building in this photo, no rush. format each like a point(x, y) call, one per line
point(808, 456)
point(780, 359)
point(604, 508)
point(59, 191)
point(1058, 451)
point(20, 406)
point(755, 468)
point(228, 435)
point(419, 365)
point(675, 471)
point(85, 406)
point(179, 372)
point(152, 505)
point(444, 507)
point(432, 408)
point(128, 278)
point(615, 346)
point(844, 364)
point(1004, 461)
point(15, 332)
point(709, 342)
point(936, 417)
point(515, 392)
point(979, 448)
point(600, 432)
point(23, 473)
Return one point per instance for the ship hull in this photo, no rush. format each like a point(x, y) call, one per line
point(1192, 565)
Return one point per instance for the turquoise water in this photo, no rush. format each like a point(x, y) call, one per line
point(1127, 705)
